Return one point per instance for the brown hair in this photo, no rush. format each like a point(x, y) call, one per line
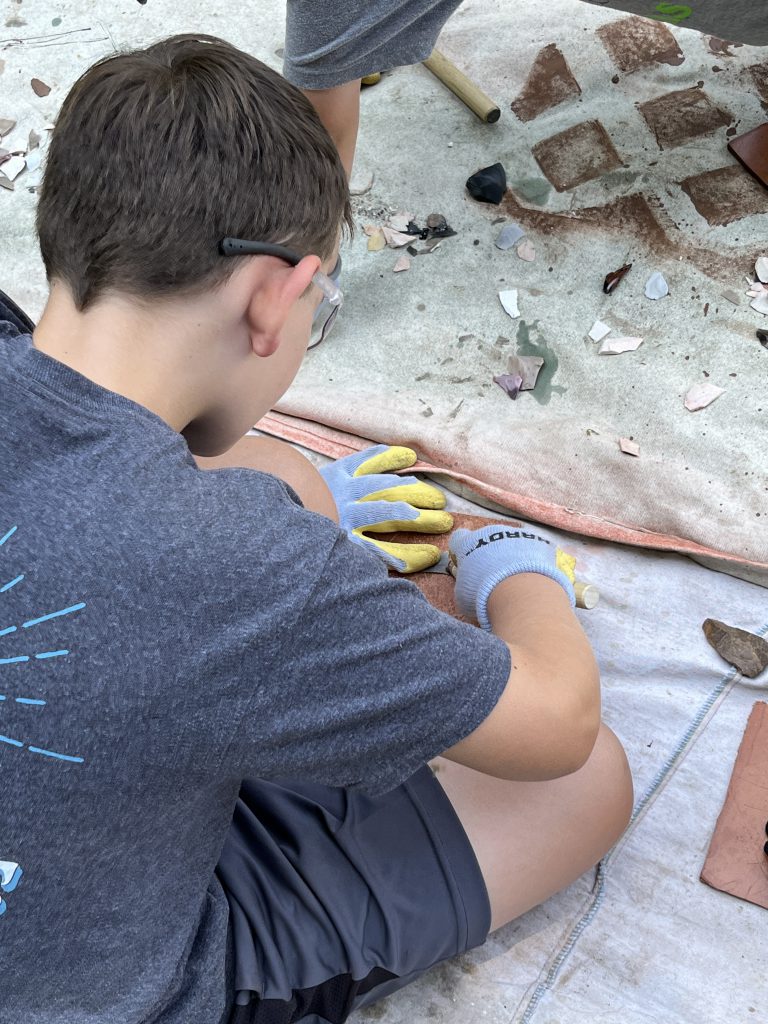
point(160, 153)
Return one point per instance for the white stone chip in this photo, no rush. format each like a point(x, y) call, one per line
point(399, 221)
point(701, 395)
point(526, 251)
point(34, 159)
point(16, 144)
point(397, 239)
point(599, 331)
point(508, 299)
point(615, 346)
point(12, 168)
point(656, 287)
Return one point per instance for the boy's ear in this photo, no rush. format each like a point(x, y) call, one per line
point(272, 299)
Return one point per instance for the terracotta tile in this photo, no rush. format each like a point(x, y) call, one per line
point(751, 149)
point(549, 83)
point(680, 116)
point(578, 154)
point(637, 43)
point(725, 195)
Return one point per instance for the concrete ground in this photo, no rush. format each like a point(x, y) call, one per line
point(652, 183)
point(615, 154)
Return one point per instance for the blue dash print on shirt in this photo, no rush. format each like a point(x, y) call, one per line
point(17, 659)
point(53, 615)
point(8, 535)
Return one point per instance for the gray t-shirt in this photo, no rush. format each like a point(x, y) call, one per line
point(164, 633)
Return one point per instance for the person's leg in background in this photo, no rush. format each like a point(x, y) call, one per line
point(330, 47)
point(339, 110)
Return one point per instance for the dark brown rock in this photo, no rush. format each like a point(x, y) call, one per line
point(549, 83)
point(39, 87)
point(748, 652)
point(614, 279)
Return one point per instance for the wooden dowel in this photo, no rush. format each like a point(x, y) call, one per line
point(466, 90)
point(587, 594)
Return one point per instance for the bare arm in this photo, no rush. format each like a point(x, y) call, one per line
point(546, 722)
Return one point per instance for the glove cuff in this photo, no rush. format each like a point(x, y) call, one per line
point(504, 572)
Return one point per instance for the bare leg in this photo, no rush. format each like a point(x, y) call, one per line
point(339, 110)
point(281, 460)
point(533, 839)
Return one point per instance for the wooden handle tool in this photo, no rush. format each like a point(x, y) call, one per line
point(469, 94)
point(587, 594)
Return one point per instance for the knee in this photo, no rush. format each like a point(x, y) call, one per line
point(613, 780)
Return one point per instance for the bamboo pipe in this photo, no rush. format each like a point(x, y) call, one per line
point(469, 94)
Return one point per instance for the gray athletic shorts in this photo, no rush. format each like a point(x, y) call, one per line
point(338, 898)
point(327, 44)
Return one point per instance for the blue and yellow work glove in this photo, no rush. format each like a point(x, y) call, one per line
point(371, 499)
point(483, 558)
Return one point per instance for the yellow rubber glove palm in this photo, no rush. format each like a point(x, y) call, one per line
point(371, 499)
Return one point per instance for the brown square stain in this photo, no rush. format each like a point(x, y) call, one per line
point(635, 43)
point(725, 195)
point(680, 116)
point(578, 154)
point(759, 73)
point(549, 83)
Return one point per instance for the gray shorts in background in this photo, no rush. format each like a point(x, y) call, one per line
point(338, 898)
point(328, 44)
